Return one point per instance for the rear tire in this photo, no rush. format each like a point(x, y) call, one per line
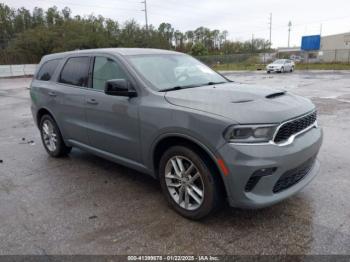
point(195, 200)
point(52, 138)
point(292, 69)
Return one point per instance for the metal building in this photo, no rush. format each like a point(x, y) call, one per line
point(335, 48)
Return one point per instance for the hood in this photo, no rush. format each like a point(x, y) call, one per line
point(242, 103)
point(275, 65)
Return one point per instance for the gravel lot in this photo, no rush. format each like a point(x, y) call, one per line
point(83, 204)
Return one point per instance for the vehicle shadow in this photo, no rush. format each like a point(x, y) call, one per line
point(285, 228)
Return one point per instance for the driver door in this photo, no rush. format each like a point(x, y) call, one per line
point(113, 124)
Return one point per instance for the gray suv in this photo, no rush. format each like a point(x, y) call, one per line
point(165, 114)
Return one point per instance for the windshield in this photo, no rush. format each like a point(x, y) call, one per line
point(174, 70)
point(280, 61)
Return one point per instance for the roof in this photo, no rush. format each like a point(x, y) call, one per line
point(328, 36)
point(120, 51)
point(288, 49)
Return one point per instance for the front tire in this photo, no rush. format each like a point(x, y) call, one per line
point(52, 138)
point(188, 183)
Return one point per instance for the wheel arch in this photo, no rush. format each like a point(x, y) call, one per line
point(165, 142)
point(43, 111)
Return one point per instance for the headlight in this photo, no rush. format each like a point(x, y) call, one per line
point(250, 133)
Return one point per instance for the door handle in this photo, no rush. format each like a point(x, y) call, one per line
point(51, 93)
point(92, 101)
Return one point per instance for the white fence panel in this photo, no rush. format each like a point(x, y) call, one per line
point(29, 69)
point(17, 70)
point(5, 70)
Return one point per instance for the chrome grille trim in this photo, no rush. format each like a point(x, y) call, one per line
point(310, 114)
point(290, 140)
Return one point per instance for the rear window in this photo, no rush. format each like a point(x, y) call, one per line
point(47, 70)
point(75, 71)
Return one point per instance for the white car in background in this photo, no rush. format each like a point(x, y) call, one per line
point(281, 66)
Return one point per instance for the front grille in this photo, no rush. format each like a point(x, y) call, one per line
point(293, 176)
point(295, 126)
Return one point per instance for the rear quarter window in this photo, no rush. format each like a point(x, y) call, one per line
point(47, 70)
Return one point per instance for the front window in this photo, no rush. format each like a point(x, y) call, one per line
point(174, 70)
point(105, 69)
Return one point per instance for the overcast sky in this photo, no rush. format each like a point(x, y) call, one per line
point(241, 18)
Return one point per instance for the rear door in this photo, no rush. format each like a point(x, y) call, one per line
point(70, 93)
point(42, 89)
point(113, 120)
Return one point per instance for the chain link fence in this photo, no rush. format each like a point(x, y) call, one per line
point(323, 59)
point(238, 61)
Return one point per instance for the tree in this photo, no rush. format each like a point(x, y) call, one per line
point(167, 31)
point(38, 17)
point(6, 25)
point(189, 36)
point(198, 49)
point(52, 15)
point(66, 13)
point(26, 36)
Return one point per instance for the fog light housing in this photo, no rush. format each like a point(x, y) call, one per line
point(255, 177)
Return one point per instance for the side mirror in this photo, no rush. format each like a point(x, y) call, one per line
point(119, 87)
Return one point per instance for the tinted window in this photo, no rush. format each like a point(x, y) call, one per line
point(106, 69)
point(47, 69)
point(75, 71)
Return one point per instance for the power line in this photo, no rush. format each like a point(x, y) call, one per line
point(129, 10)
point(282, 27)
point(86, 5)
point(189, 12)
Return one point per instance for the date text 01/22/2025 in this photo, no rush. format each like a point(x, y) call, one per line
point(173, 258)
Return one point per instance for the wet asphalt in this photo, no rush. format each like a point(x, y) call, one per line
point(83, 204)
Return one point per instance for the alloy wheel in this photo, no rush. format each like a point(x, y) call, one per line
point(184, 182)
point(49, 135)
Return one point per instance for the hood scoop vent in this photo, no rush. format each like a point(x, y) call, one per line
point(242, 101)
point(274, 95)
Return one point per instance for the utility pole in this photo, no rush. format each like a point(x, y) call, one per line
point(270, 24)
point(145, 10)
point(252, 43)
point(289, 28)
point(320, 29)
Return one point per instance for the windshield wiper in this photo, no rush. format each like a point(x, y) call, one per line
point(213, 83)
point(190, 86)
point(176, 88)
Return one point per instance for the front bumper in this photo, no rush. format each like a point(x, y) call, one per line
point(243, 160)
point(273, 69)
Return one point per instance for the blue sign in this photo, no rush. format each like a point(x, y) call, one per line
point(310, 42)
